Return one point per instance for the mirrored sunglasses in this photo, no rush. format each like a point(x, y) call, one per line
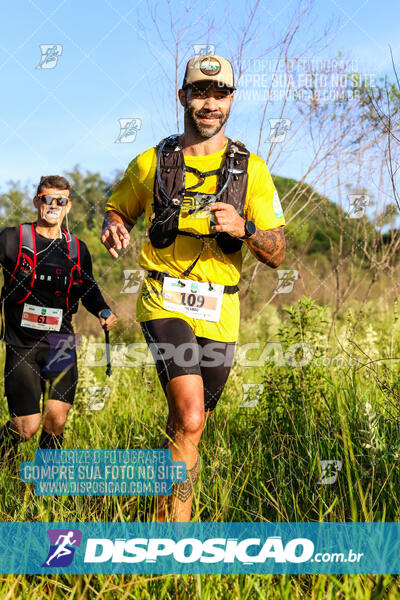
point(61, 200)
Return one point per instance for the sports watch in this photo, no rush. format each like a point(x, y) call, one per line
point(249, 229)
point(105, 313)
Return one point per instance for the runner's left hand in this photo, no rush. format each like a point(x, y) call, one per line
point(227, 219)
point(108, 323)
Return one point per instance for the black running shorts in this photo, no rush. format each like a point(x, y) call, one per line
point(29, 373)
point(178, 351)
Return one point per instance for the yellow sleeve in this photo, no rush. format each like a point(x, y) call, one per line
point(131, 195)
point(262, 204)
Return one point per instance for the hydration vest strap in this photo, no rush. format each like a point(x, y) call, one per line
point(199, 236)
point(74, 251)
point(27, 240)
point(201, 175)
point(74, 256)
point(187, 271)
point(159, 276)
point(19, 253)
point(2, 319)
point(172, 142)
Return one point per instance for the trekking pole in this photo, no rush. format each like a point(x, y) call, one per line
point(105, 314)
point(108, 370)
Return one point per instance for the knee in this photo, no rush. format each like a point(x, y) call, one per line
point(28, 432)
point(54, 422)
point(27, 426)
point(190, 422)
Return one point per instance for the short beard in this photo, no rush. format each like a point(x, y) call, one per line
point(204, 133)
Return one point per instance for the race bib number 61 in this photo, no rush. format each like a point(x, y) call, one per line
point(41, 317)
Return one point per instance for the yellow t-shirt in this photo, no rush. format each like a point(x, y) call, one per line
point(133, 195)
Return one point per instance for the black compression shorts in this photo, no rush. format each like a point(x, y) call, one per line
point(29, 373)
point(178, 351)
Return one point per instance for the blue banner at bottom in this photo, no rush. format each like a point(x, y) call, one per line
point(173, 548)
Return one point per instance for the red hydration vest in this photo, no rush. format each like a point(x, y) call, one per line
point(26, 264)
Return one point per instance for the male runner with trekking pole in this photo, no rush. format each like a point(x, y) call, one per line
point(46, 271)
point(203, 195)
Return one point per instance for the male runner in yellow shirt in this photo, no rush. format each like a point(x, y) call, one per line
point(202, 196)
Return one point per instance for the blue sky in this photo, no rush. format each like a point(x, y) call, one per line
point(114, 64)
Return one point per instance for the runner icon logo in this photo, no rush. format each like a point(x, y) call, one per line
point(329, 471)
point(61, 552)
point(128, 130)
point(357, 205)
point(199, 51)
point(133, 280)
point(286, 279)
point(278, 130)
point(50, 54)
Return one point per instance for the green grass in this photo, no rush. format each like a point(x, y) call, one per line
point(258, 464)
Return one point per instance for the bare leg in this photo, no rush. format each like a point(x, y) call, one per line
point(15, 431)
point(184, 426)
point(54, 420)
point(27, 425)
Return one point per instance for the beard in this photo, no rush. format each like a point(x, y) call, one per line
point(206, 131)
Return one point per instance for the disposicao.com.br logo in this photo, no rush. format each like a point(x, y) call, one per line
point(208, 547)
point(213, 550)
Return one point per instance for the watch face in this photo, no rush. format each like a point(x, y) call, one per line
point(105, 313)
point(250, 228)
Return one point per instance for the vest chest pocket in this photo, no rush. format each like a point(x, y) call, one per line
point(52, 277)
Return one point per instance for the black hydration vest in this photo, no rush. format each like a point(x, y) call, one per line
point(29, 272)
point(170, 190)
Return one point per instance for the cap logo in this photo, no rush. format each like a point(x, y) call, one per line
point(210, 66)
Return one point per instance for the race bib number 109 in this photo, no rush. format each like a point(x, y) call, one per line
point(196, 299)
point(41, 317)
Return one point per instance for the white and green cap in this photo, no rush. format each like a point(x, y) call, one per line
point(209, 67)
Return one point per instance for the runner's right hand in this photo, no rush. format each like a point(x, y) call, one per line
point(114, 236)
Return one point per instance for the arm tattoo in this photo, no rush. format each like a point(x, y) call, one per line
point(184, 489)
point(268, 246)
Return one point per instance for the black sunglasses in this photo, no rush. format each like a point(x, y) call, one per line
point(61, 200)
